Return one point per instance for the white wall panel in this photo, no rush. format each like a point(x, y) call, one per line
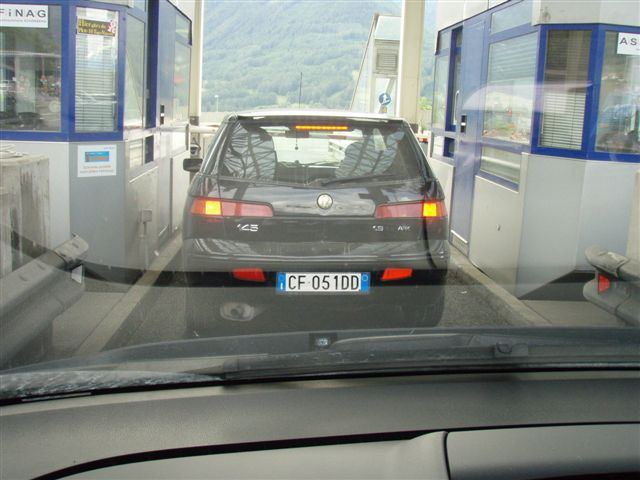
point(496, 230)
point(605, 213)
point(551, 220)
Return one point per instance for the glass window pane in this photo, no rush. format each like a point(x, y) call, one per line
point(30, 74)
point(440, 91)
point(619, 109)
point(135, 153)
point(458, 34)
point(183, 28)
point(510, 87)
point(444, 40)
point(501, 163)
point(96, 70)
point(141, 4)
point(514, 16)
point(134, 94)
point(181, 79)
point(565, 88)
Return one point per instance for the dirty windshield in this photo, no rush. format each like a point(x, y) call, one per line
point(198, 190)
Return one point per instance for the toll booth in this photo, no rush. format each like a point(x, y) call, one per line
point(102, 89)
point(377, 81)
point(535, 132)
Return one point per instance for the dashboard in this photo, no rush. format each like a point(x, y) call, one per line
point(533, 425)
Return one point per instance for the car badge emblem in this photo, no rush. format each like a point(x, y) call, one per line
point(325, 201)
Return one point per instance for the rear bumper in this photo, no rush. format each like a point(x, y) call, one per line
point(203, 257)
point(210, 281)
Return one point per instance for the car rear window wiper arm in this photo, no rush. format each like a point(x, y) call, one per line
point(359, 178)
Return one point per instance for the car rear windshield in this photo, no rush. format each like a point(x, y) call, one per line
point(317, 152)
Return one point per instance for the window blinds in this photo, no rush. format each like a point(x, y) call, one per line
point(565, 89)
point(96, 63)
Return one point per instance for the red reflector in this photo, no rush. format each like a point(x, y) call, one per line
point(427, 209)
point(213, 207)
point(604, 283)
point(396, 274)
point(249, 274)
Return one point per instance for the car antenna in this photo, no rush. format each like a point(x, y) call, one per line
point(299, 100)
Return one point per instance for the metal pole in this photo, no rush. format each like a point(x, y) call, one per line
point(195, 100)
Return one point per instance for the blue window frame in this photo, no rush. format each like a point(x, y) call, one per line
point(597, 47)
point(445, 58)
point(511, 30)
point(67, 98)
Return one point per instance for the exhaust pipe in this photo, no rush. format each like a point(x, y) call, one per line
point(239, 312)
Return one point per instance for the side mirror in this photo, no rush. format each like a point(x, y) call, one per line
point(192, 164)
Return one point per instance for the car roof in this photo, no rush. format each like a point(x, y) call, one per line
point(295, 112)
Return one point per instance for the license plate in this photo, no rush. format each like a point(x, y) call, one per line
point(323, 282)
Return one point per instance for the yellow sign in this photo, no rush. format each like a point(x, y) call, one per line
point(96, 27)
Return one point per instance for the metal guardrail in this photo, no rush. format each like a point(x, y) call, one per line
point(616, 286)
point(32, 296)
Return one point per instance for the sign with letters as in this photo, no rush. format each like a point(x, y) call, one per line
point(628, 44)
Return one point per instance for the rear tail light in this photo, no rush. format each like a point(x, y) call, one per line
point(213, 207)
point(425, 209)
point(604, 283)
point(249, 274)
point(396, 274)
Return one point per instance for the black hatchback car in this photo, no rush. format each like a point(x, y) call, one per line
point(330, 209)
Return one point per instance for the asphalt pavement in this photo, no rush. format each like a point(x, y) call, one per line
point(160, 317)
point(113, 315)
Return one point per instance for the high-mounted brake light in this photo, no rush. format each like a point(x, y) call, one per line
point(396, 274)
point(212, 207)
point(426, 209)
point(331, 128)
point(249, 274)
point(604, 283)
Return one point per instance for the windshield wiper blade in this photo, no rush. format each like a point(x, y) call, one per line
point(359, 178)
point(425, 351)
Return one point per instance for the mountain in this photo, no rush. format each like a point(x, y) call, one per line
point(254, 51)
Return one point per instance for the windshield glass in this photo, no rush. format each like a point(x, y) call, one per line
point(195, 190)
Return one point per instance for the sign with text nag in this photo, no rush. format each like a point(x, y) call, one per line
point(24, 16)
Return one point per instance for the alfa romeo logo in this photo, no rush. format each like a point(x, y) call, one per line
point(325, 201)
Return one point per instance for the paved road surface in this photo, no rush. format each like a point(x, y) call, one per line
point(161, 317)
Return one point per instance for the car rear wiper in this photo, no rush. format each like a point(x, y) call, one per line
point(360, 178)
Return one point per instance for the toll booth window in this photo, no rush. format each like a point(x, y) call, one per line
point(134, 94)
point(141, 4)
point(183, 28)
point(566, 73)
point(181, 79)
point(619, 108)
point(135, 153)
point(514, 16)
point(30, 67)
point(96, 70)
point(510, 88)
point(501, 163)
point(440, 91)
